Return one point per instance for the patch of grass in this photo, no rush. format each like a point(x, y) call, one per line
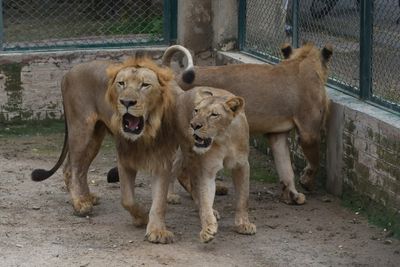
point(260, 171)
point(31, 128)
point(376, 213)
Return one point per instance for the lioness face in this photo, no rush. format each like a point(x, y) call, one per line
point(138, 92)
point(211, 117)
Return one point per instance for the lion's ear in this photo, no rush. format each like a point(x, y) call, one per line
point(236, 104)
point(326, 53)
point(286, 50)
point(201, 94)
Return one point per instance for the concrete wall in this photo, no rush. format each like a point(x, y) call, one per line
point(361, 151)
point(30, 82)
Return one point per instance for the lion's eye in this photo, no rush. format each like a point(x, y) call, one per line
point(121, 83)
point(214, 114)
point(195, 110)
point(144, 85)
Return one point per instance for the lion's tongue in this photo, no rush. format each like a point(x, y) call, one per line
point(132, 122)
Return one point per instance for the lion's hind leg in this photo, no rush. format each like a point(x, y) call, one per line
point(85, 142)
point(240, 177)
point(309, 139)
point(280, 151)
point(173, 198)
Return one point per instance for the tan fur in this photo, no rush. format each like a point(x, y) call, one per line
point(93, 102)
point(289, 95)
point(215, 115)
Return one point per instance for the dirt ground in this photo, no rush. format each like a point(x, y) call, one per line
point(38, 228)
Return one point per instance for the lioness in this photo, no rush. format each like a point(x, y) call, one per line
point(215, 135)
point(279, 98)
point(135, 101)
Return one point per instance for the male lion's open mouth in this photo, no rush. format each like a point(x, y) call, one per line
point(200, 142)
point(132, 124)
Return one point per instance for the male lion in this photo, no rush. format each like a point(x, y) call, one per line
point(135, 101)
point(215, 135)
point(279, 98)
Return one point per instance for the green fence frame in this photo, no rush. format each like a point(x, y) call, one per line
point(366, 48)
point(170, 8)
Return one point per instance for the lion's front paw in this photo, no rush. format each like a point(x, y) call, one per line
point(208, 233)
point(246, 228)
point(173, 199)
point(83, 206)
point(161, 236)
point(289, 197)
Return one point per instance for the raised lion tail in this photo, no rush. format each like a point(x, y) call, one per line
point(188, 73)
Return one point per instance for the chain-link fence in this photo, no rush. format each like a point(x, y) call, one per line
point(45, 24)
point(266, 24)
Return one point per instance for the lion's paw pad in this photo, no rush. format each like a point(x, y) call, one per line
point(246, 229)
point(160, 236)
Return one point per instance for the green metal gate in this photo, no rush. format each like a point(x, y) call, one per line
point(66, 24)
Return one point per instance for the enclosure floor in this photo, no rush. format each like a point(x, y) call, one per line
point(37, 227)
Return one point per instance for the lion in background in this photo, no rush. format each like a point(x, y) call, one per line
point(279, 98)
point(135, 101)
point(214, 135)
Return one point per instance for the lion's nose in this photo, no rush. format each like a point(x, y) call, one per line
point(196, 126)
point(127, 103)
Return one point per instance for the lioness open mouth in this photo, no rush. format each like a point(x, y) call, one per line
point(132, 124)
point(200, 142)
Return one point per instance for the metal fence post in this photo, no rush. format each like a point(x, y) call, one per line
point(170, 21)
point(1, 26)
point(242, 24)
point(366, 22)
point(295, 23)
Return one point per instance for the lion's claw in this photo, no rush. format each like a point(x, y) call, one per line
point(246, 229)
point(160, 236)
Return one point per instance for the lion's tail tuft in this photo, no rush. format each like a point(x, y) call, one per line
point(41, 174)
point(188, 75)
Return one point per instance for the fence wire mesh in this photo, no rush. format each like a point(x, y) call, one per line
point(269, 23)
point(386, 51)
point(31, 24)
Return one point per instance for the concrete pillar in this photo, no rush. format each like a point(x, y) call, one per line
point(334, 150)
point(195, 24)
point(225, 24)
